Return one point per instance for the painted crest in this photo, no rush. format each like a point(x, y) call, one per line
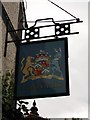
point(42, 65)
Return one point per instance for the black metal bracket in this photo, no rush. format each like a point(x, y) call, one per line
point(61, 28)
point(33, 32)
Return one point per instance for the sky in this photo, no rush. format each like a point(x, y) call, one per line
point(75, 105)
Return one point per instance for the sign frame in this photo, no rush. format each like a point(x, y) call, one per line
point(66, 92)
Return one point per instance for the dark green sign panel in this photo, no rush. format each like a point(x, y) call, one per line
point(42, 69)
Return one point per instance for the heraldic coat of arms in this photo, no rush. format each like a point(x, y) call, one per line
point(42, 65)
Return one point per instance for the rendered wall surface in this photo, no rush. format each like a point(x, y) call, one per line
point(0, 44)
point(0, 70)
point(8, 62)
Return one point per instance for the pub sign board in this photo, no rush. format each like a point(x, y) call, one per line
point(42, 69)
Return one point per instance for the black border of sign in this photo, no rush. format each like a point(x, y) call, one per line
point(66, 69)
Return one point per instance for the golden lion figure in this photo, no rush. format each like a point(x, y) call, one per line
point(27, 70)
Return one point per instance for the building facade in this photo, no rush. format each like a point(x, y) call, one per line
point(10, 14)
point(12, 9)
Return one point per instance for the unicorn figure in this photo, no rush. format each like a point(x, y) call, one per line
point(55, 64)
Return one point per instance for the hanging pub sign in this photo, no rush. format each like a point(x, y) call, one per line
point(42, 69)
